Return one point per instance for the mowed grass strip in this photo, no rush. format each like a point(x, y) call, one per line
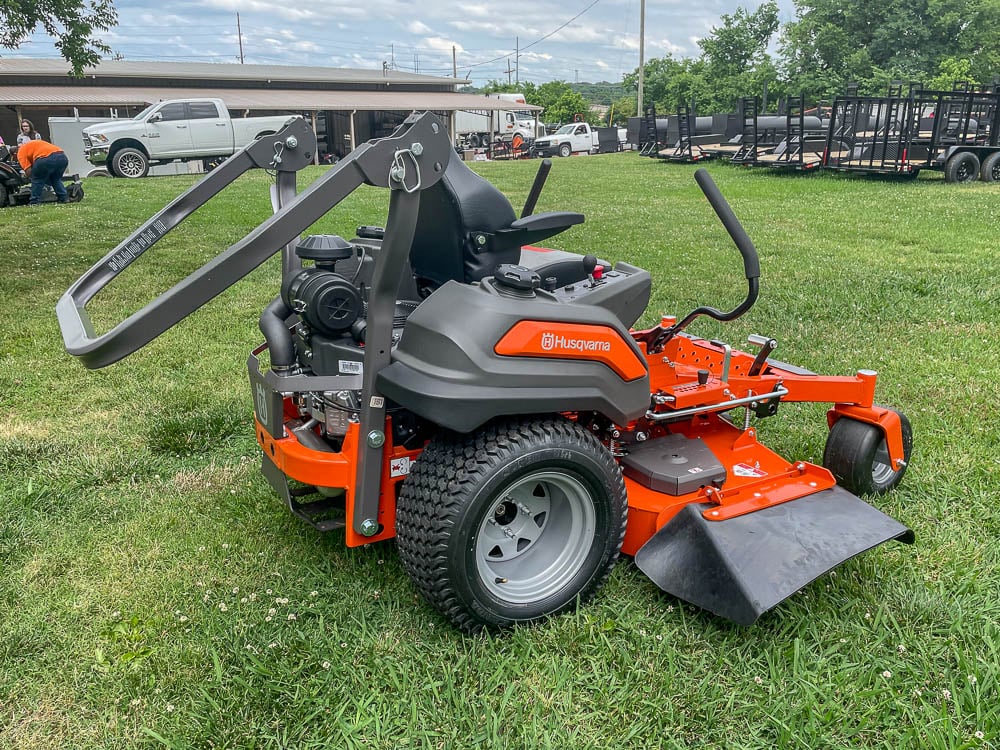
point(153, 592)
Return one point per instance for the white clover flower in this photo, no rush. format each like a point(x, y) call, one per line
point(979, 735)
point(901, 648)
point(291, 616)
point(223, 607)
point(887, 674)
point(972, 679)
point(759, 680)
point(946, 694)
point(326, 665)
point(183, 618)
point(170, 707)
point(313, 593)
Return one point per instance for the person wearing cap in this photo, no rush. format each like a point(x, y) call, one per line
point(45, 164)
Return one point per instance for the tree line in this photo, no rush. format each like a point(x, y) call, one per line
point(828, 45)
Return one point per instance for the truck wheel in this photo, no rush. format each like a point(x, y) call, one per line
point(513, 523)
point(962, 167)
point(3, 196)
point(990, 170)
point(858, 456)
point(130, 162)
point(565, 150)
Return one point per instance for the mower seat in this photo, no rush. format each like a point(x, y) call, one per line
point(466, 228)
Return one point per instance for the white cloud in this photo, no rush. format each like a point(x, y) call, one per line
point(416, 27)
point(292, 13)
point(601, 64)
point(443, 45)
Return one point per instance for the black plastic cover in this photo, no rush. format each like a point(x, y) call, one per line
point(445, 368)
point(673, 464)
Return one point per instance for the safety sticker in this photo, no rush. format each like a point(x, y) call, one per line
point(399, 467)
point(350, 367)
point(746, 470)
point(377, 402)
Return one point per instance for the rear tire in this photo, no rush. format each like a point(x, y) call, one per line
point(74, 192)
point(3, 196)
point(990, 169)
point(858, 456)
point(513, 523)
point(962, 167)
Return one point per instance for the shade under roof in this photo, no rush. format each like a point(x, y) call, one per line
point(269, 99)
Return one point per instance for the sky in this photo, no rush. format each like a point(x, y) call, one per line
point(567, 40)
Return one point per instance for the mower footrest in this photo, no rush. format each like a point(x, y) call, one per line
point(325, 513)
point(741, 567)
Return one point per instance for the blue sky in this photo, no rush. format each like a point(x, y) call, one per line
point(565, 40)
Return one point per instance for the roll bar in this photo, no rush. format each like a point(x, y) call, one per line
point(411, 159)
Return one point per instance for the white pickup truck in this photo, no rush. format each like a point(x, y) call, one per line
point(569, 139)
point(184, 129)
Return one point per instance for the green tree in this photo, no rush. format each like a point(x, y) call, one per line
point(872, 42)
point(72, 23)
point(736, 63)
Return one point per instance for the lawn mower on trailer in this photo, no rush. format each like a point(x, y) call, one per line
point(488, 403)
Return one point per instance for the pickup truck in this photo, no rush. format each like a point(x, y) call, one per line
point(184, 129)
point(572, 138)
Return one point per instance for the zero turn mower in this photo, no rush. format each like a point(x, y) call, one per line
point(488, 404)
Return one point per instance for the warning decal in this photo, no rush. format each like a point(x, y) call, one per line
point(746, 470)
point(399, 467)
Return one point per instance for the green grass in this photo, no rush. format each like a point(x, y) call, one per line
point(153, 592)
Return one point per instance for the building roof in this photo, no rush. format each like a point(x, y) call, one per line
point(249, 98)
point(21, 67)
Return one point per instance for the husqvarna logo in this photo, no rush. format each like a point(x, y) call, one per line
point(552, 341)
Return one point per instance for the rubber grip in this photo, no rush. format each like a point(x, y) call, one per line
point(751, 264)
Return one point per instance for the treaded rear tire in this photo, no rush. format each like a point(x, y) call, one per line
point(455, 492)
point(857, 456)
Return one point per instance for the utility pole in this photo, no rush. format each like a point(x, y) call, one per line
point(239, 33)
point(642, 54)
point(517, 60)
point(508, 71)
point(454, 63)
point(416, 63)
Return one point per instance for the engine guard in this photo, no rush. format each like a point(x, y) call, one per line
point(741, 567)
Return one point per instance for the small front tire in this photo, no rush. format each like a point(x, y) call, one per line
point(513, 523)
point(565, 150)
point(858, 456)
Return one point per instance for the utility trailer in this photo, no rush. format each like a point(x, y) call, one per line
point(956, 132)
point(689, 133)
point(803, 145)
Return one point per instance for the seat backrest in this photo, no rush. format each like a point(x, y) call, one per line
point(452, 211)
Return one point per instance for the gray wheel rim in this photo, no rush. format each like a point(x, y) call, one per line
point(536, 536)
point(882, 471)
point(130, 165)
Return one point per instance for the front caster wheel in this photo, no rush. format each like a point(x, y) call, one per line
point(858, 456)
point(512, 523)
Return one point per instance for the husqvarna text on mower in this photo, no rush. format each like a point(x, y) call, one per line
point(444, 382)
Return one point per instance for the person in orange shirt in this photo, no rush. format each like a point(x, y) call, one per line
point(45, 164)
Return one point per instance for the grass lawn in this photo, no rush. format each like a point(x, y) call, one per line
point(153, 591)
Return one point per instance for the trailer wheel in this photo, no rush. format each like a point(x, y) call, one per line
point(962, 167)
point(130, 162)
point(858, 456)
point(990, 170)
point(513, 523)
point(565, 150)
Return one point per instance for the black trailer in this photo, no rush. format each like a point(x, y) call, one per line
point(956, 132)
point(804, 140)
